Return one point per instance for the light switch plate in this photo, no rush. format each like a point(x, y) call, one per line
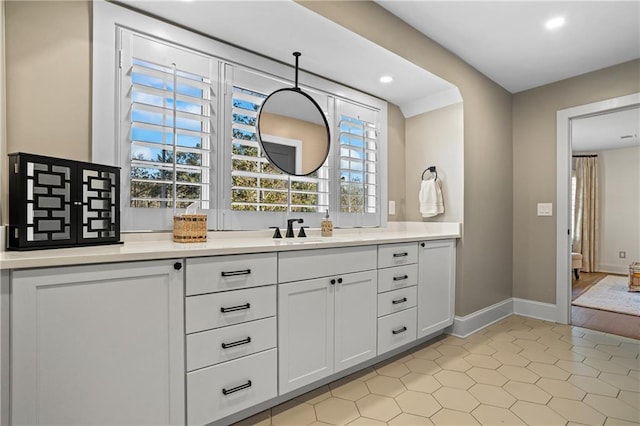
point(392, 207)
point(545, 209)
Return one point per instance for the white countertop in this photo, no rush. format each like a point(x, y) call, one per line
point(149, 246)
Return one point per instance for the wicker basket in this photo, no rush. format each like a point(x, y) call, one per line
point(634, 276)
point(190, 228)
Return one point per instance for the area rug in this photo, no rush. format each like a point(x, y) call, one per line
point(611, 294)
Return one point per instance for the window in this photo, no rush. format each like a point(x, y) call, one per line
point(180, 122)
point(168, 136)
point(358, 165)
point(256, 185)
point(167, 111)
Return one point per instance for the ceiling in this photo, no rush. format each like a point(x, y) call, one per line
point(612, 130)
point(508, 42)
point(328, 49)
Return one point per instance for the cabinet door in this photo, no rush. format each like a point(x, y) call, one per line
point(355, 310)
point(436, 286)
point(99, 344)
point(305, 332)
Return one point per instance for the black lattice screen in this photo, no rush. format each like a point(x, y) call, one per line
point(61, 203)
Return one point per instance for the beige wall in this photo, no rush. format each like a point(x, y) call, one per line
point(396, 143)
point(49, 78)
point(534, 169)
point(48, 72)
point(3, 122)
point(436, 138)
point(485, 255)
point(619, 209)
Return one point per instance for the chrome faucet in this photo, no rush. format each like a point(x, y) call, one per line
point(290, 223)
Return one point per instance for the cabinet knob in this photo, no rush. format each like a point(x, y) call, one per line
point(339, 280)
point(422, 244)
point(333, 282)
point(177, 266)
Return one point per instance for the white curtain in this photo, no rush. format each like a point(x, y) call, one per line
point(587, 212)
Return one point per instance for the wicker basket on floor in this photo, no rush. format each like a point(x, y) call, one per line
point(634, 276)
point(190, 228)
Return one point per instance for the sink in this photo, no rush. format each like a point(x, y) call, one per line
point(306, 240)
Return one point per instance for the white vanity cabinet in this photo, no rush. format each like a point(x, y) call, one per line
point(230, 325)
point(98, 344)
point(325, 324)
point(436, 285)
point(397, 298)
point(199, 340)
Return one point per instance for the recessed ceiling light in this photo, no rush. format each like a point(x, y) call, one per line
point(555, 23)
point(386, 79)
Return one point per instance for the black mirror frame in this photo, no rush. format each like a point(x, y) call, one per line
point(324, 119)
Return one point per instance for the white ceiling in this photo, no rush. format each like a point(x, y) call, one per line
point(507, 40)
point(275, 29)
point(606, 131)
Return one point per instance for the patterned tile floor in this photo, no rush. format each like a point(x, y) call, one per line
point(517, 371)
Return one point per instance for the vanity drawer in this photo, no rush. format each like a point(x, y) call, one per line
point(220, 273)
point(398, 277)
point(224, 344)
point(218, 391)
point(397, 300)
point(215, 310)
point(396, 330)
point(397, 254)
point(306, 264)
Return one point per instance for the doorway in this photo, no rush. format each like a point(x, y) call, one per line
point(563, 189)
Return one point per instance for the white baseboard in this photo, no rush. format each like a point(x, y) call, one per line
point(533, 309)
point(468, 324)
point(614, 269)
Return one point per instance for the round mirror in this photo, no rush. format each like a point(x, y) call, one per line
point(293, 132)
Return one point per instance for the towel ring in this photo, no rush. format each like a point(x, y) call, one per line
point(431, 169)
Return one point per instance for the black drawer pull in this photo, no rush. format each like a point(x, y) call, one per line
point(235, 273)
point(235, 308)
point(237, 343)
point(237, 388)
point(399, 330)
point(400, 277)
point(405, 254)
point(395, 302)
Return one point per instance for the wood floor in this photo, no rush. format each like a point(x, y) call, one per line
point(596, 319)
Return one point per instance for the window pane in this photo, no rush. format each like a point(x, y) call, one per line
point(358, 155)
point(168, 126)
point(272, 185)
point(147, 153)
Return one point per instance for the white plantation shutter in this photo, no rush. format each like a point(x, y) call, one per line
point(260, 195)
point(358, 165)
point(167, 126)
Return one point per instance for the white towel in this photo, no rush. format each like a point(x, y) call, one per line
point(430, 196)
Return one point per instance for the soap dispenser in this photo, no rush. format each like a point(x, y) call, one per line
point(326, 229)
